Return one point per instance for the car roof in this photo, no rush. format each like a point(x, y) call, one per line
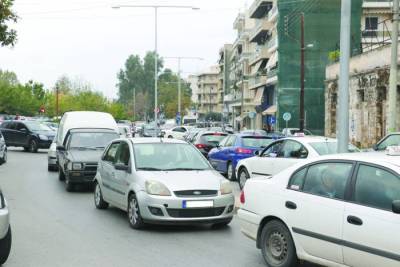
point(151, 140)
point(309, 139)
point(369, 157)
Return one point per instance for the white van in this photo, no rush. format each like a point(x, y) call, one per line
point(84, 119)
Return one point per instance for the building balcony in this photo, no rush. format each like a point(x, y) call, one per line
point(378, 4)
point(228, 98)
point(272, 45)
point(260, 32)
point(238, 24)
point(273, 14)
point(272, 73)
point(262, 53)
point(260, 8)
point(257, 81)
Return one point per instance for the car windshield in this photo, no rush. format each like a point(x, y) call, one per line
point(163, 156)
point(213, 138)
point(35, 126)
point(256, 141)
point(328, 148)
point(92, 140)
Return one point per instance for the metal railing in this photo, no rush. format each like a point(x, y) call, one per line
point(372, 39)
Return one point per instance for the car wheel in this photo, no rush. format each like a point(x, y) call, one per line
point(170, 136)
point(243, 177)
point(33, 146)
point(4, 159)
point(61, 175)
point(230, 172)
point(99, 202)
point(135, 220)
point(277, 245)
point(222, 224)
point(5, 246)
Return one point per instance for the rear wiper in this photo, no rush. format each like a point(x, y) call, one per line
point(149, 169)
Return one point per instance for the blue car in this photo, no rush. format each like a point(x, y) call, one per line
point(235, 147)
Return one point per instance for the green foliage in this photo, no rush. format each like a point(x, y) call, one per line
point(7, 36)
point(334, 56)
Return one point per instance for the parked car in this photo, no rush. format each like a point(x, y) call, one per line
point(162, 181)
point(31, 135)
point(3, 150)
point(392, 139)
point(337, 210)
point(294, 131)
point(177, 132)
point(207, 140)
point(284, 153)
point(78, 159)
point(124, 131)
point(150, 130)
point(5, 230)
point(233, 148)
point(52, 163)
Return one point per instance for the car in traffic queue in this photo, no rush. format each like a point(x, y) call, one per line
point(235, 147)
point(284, 153)
point(31, 135)
point(177, 132)
point(52, 163)
point(294, 131)
point(78, 158)
point(5, 230)
point(206, 140)
point(336, 210)
point(150, 130)
point(3, 150)
point(392, 139)
point(162, 181)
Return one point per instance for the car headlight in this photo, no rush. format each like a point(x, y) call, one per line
point(2, 201)
point(77, 166)
point(226, 188)
point(43, 137)
point(157, 188)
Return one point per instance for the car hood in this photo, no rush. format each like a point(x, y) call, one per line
point(85, 155)
point(185, 180)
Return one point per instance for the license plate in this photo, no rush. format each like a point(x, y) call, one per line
point(197, 204)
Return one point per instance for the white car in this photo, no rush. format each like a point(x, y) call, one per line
point(337, 210)
point(5, 230)
point(162, 181)
point(284, 153)
point(177, 132)
point(392, 139)
point(52, 157)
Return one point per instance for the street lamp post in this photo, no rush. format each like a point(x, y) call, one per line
point(156, 7)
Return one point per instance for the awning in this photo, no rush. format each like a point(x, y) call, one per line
point(272, 61)
point(270, 111)
point(259, 96)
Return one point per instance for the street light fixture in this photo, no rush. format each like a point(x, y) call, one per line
point(155, 7)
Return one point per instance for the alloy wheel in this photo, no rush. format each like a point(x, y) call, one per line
point(133, 211)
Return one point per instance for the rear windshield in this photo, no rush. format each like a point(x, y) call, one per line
point(256, 141)
point(328, 148)
point(213, 138)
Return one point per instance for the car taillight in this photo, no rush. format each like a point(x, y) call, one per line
point(200, 146)
point(242, 199)
point(243, 151)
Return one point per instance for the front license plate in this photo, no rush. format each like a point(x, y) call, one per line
point(197, 204)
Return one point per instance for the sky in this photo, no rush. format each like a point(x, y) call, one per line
point(87, 40)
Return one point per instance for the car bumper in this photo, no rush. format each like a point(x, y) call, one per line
point(249, 223)
point(172, 211)
point(80, 177)
point(4, 222)
point(44, 144)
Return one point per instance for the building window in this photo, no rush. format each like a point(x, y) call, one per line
point(361, 95)
point(371, 23)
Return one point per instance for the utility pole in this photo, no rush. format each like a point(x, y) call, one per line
point(134, 103)
point(342, 127)
point(392, 114)
point(57, 106)
point(155, 68)
point(179, 90)
point(302, 76)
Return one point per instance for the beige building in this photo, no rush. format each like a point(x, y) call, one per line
point(369, 83)
point(207, 94)
point(193, 80)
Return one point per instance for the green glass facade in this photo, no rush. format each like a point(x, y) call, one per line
point(322, 36)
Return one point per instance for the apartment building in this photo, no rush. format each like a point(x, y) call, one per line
point(223, 81)
point(207, 93)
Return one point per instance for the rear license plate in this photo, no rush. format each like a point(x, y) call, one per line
point(198, 204)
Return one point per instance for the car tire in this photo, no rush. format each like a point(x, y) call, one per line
point(99, 201)
point(33, 146)
point(222, 224)
point(5, 246)
point(61, 175)
point(277, 245)
point(170, 136)
point(230, 172)
point(243, 177)
point(4, 159)
point(134, 217)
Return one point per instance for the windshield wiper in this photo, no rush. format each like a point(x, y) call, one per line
point(149, 169)
point(83, 148)
point(186, 169)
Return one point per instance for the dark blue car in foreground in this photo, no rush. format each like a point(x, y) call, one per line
point(236, 147)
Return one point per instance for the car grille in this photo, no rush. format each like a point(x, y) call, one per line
point(196, 193)
point(91, 167)
point(195, 213)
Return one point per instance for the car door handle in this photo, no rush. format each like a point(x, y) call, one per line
point(354, 220)
point(291, 205)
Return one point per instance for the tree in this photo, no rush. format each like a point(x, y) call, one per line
point(7, 36)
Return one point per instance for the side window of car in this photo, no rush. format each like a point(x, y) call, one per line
point(179, 129)
point(328, 179)
point(111, 153)
point(123, 154)
point(273, 150)
point(376, 187)
point(293, 149)
point(21, 127)
point(391, 140)
point(297, 180)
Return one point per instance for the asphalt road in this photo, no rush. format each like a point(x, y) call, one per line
point(52, 227)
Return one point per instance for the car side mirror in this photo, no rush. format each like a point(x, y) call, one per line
point(60, 148)
point(121, 167)
point(257, 153)
point(375, 147)
point(396, 206)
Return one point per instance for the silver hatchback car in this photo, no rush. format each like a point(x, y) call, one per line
point(162, 181)
point(5, 230)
